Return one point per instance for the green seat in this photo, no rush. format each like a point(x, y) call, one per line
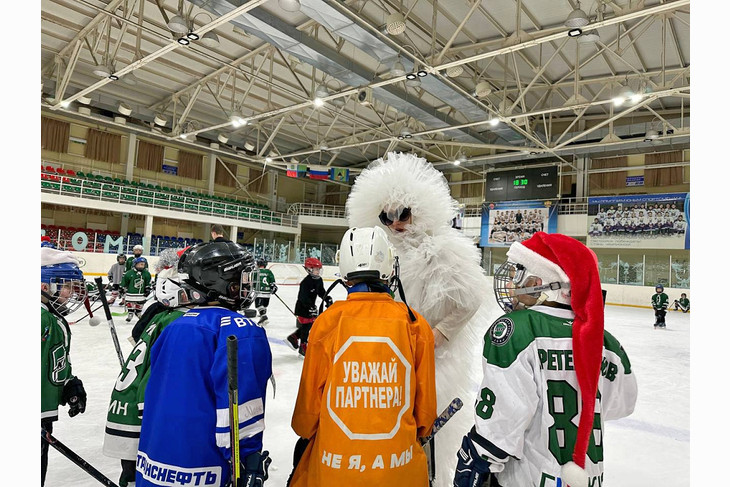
point(80, 174)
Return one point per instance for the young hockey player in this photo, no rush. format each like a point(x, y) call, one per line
point(552, 375)
point(115, 274)
point(137, 251)
point(305, 308)
point(367, 389)
point(442, 274)
point(265, 287)
point(660, 302)
point(682, 303)
point(62, 293)
point(185, 427)
point(135, 287)
point(124, 415)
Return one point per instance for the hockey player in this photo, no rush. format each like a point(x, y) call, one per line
point(124, 415)
point(682, 303)
point(115, 274)
point(367, 389)
point(185, 427)
point(660, 302)
point(548, 365)
point(305, 308)
point(265, 287)
point(137, 251)
point(442, 276)
point(135, 287)
point(62, 293)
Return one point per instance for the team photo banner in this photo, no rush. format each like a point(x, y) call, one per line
point(658, 221)
point(507, 222)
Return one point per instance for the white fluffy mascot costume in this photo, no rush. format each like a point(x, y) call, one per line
point(442, 279)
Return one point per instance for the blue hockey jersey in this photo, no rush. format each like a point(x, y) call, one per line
point(184, 440)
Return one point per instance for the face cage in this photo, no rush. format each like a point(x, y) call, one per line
point(247, 289)
point(67, 295)
point(509, 277)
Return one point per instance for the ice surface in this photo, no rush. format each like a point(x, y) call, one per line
point(650, 447)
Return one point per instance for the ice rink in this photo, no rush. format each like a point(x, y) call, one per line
point(649, 448)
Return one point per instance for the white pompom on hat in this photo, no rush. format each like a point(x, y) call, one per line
point(51, 256)
point(566, 257)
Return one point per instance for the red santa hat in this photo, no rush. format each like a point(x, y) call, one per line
point(580, 265)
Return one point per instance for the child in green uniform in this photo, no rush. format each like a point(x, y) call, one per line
point(135, 286)
point(682, 303)
point(659, 302)
point(62, 292)
point(266, 287)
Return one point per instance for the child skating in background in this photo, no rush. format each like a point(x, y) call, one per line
point(135, 287)
point(660, 302)
point(306, 306)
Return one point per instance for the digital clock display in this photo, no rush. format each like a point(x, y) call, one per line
point(523, 184)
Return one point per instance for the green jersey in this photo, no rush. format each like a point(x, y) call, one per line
point(135, 282)
point(660, 301)
point(55, 363)
point(124, 415)
point(684, 303)
point(265, 280)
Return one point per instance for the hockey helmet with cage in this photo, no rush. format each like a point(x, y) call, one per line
point(63, 287)
point(365, 253)
point(312, 264)
point(217, 271)
point(659, 288)
point(168, 290)
point(121, 258)
point(261, 263)
point(139, 260)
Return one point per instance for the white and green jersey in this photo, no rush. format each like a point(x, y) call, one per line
point(124, 415)
point(528, 405)
point(265, 279)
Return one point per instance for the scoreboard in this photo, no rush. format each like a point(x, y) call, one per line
point(523, 184)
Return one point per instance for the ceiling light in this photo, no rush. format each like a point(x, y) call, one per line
point(160, 120)
point(237, 120)
point(124, 109)
point(183, 41)
point(193, 36)
point(395, 24)
point(84, 100)
point(625, 93)
point(398, 69)
point(404, 134)
point(120, 120)
point(320, 93)
point(494, 122)
point(113, 77)
point(589, 37)
point(290, 5)
point(210, 39)
point(636, 98)
point(248, 146)
point(482, 89)
point(65, 104)
point(577, 18)
point(222, 138)
point(178, 24)
point(102, 71)
point(411, 76)
point(129, 79)
point(651, 135)
point(413, 82)
point(454, 71)
point(422, 73)
point(575, 32)
point(268, 160)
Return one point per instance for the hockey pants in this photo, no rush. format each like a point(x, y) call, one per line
point(660, 315)
point(304, 325)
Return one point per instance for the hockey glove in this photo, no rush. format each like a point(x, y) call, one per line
point(147, 291)
point(328, 301)
point(255, 470)
point(313, 312)
point(274, 288)
point(74, 394)
point(471, 469)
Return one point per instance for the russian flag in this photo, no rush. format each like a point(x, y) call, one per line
point(319, 172)
point(296, 170)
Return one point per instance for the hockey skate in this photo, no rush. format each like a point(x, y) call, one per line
point(129, 317)
point(264, 320)
point(293, 341)
point(303, 349)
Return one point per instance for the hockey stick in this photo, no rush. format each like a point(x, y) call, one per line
point(282, 302)
point(428, 441)
point(75, 458)
point(232, 354)
point(110, 321)
point(85, 316)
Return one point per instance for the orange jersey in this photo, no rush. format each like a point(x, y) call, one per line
point(367, 393)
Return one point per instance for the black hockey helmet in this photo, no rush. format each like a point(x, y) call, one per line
point(121, 257)
point(261, 263)
point(217, 271)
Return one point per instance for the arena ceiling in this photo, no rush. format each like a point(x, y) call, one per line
point(315, 81)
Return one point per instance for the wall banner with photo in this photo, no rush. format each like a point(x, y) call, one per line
point(657, 221)
point(515, 221)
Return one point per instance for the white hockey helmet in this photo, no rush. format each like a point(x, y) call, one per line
point(366, 253)
point(168, 290)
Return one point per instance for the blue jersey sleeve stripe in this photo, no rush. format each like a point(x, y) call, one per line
point(246, 412)
point(223, 440)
